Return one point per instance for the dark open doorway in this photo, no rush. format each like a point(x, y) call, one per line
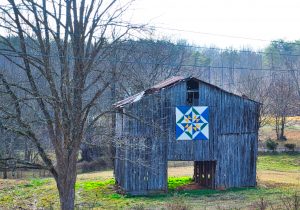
point(204, 173)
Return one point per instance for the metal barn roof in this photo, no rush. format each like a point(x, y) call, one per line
point(162, 85)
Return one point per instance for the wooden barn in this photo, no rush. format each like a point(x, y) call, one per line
point(185, 119)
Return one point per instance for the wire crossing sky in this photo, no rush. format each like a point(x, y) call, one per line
point(229, 23)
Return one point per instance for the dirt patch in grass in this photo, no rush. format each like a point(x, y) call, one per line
point(96, 175)
point(292, 131)
point(279, 179)
point(8, 183)
point(191, 186)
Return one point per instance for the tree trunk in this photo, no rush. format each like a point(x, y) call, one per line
point(67, 194)
point(113, 118)
point(5, 171)
point(282, 137)
point(27, 152)
point(277, 127)
point(65, 182)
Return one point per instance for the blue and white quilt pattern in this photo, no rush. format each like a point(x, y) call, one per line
point(192, 123)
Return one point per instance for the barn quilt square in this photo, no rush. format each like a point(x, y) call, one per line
point(192, 123)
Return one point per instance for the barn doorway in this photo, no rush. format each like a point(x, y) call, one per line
point(204, 173)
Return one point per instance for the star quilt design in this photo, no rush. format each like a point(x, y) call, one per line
point(192, 123)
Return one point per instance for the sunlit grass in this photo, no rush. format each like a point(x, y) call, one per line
point(279, 162)
point(175, 182)
point(277, 176)
point(90, 185)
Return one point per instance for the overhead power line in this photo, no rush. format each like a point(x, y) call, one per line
point(153, 27)
point(210, 34)
point(226, 49)
point(276, 69)
point(126, 24)
point(223, 35)
point(253, 79)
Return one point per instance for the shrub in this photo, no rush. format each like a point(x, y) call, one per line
point(283, 138)
point(290, 147)
point(95, 165)
point(271, 145)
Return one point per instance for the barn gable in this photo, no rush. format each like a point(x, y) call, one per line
point(146, 137)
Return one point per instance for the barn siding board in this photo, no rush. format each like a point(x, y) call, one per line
point(233, 134)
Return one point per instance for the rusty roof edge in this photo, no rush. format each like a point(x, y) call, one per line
point(166, 83)
point(128, 100)
point(153, 89)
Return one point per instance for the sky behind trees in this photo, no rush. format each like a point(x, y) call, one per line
point(245, 23)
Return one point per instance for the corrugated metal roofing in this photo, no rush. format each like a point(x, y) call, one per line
point(153, 89)
point(167, 82)
point(129, 100)
point(161, 85)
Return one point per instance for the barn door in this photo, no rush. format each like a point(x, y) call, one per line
point(204, 173)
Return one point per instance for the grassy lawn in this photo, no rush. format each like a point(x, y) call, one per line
point(278, 176)
point(286, 162)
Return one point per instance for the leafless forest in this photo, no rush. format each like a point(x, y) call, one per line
point(64, 63)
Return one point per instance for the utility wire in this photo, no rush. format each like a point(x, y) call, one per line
point(277, 69)
point(193, 47)
point(220, 35)
point(152, 27)
point(253, 79)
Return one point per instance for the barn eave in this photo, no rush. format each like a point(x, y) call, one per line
point(167, 84)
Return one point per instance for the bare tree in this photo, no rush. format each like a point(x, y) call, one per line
point(57, 48)
point(282, 95)
point(152, 61)
point(257, 88)
point(5, 150)
point(286, 55)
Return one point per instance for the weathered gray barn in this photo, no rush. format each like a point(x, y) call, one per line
point(146, 137)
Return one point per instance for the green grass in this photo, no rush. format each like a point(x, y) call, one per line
point(175, 182)
point(36, 182)
point(293, 127)
point(90, 185)
point(99, 193)
point(279, 162)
